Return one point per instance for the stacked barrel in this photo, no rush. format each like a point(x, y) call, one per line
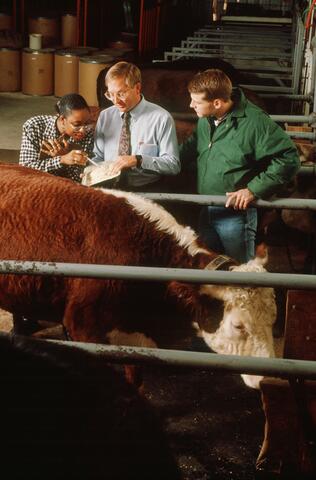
point(52, 63)
point(10, 68)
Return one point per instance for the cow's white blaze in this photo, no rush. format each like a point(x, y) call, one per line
point(163, 220)
point(246, 326)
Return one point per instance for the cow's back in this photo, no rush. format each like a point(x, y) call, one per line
point(49, 219)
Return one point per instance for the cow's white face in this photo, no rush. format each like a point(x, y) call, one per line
point(246, 326)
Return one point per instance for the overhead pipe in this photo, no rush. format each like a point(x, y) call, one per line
point(293, 281)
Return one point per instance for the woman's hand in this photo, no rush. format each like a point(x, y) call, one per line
point(74, 157)
point(55, 147)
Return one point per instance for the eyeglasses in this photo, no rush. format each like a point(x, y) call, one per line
point(85, 128)
point(119, 95)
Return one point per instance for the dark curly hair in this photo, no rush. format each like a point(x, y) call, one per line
point(69, 102)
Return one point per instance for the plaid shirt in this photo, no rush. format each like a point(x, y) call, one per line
point(43, 127)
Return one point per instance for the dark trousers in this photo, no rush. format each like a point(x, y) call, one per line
point(156, 187)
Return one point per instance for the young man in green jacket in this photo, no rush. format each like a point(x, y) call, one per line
point(239, 152)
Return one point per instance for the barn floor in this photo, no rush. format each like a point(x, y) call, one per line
point(213, 422)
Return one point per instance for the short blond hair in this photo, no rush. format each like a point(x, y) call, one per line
point(213, 83)
point(126, 70)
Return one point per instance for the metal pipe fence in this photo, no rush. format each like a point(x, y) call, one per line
point(310, 119)
point(158, 274)
point(220, 200)
point(233, 364)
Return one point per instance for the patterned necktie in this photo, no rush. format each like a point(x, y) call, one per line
point(125, 137)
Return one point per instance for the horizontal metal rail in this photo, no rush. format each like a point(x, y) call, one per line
point(277, 367)
point(304, 98)
point(231, 53)
point(234, 41)
point(294, 281)
point(252, 33)
point(273, 68)
point(220, 200)
point(258, 20)
point(310, 119)
point(295, 118)
point(268, 88)
point(307, 171)
point(239, 35)
point(249, 30)
point(308, 135)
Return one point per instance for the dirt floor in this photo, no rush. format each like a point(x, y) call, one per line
point(213, 422)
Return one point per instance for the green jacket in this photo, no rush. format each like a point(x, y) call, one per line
point(247, 149)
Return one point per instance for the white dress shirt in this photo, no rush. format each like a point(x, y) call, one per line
point(153, 136)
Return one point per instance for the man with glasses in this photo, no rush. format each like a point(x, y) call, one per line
point(59, 144)
point(238, 151)
point(136, 136)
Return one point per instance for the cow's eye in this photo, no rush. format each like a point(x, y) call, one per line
point(238, 326)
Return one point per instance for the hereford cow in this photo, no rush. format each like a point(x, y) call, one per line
point(45, 218)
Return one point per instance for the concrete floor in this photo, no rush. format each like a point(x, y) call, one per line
point(15, 109)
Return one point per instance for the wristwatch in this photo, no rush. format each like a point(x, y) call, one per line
point(139, 160)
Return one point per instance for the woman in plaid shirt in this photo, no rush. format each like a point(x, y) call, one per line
point(59, 144)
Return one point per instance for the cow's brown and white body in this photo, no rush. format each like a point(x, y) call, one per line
point(44, 218)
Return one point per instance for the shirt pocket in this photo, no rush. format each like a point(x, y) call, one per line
point(150, 149)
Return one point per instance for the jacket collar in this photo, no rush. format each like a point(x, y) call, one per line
point(240, 102)
point(238, 109)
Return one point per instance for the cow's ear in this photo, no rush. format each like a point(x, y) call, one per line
point(220, 292)
point(185, 294)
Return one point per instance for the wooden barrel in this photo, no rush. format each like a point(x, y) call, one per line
point(67, 70)
point(38, 71)
point(5, 21)
point(47, 26)
point(88, 50)
point(10, 69)
point(89, 69)
point(68, 30)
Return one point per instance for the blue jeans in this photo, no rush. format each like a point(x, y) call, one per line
point(228, 231)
